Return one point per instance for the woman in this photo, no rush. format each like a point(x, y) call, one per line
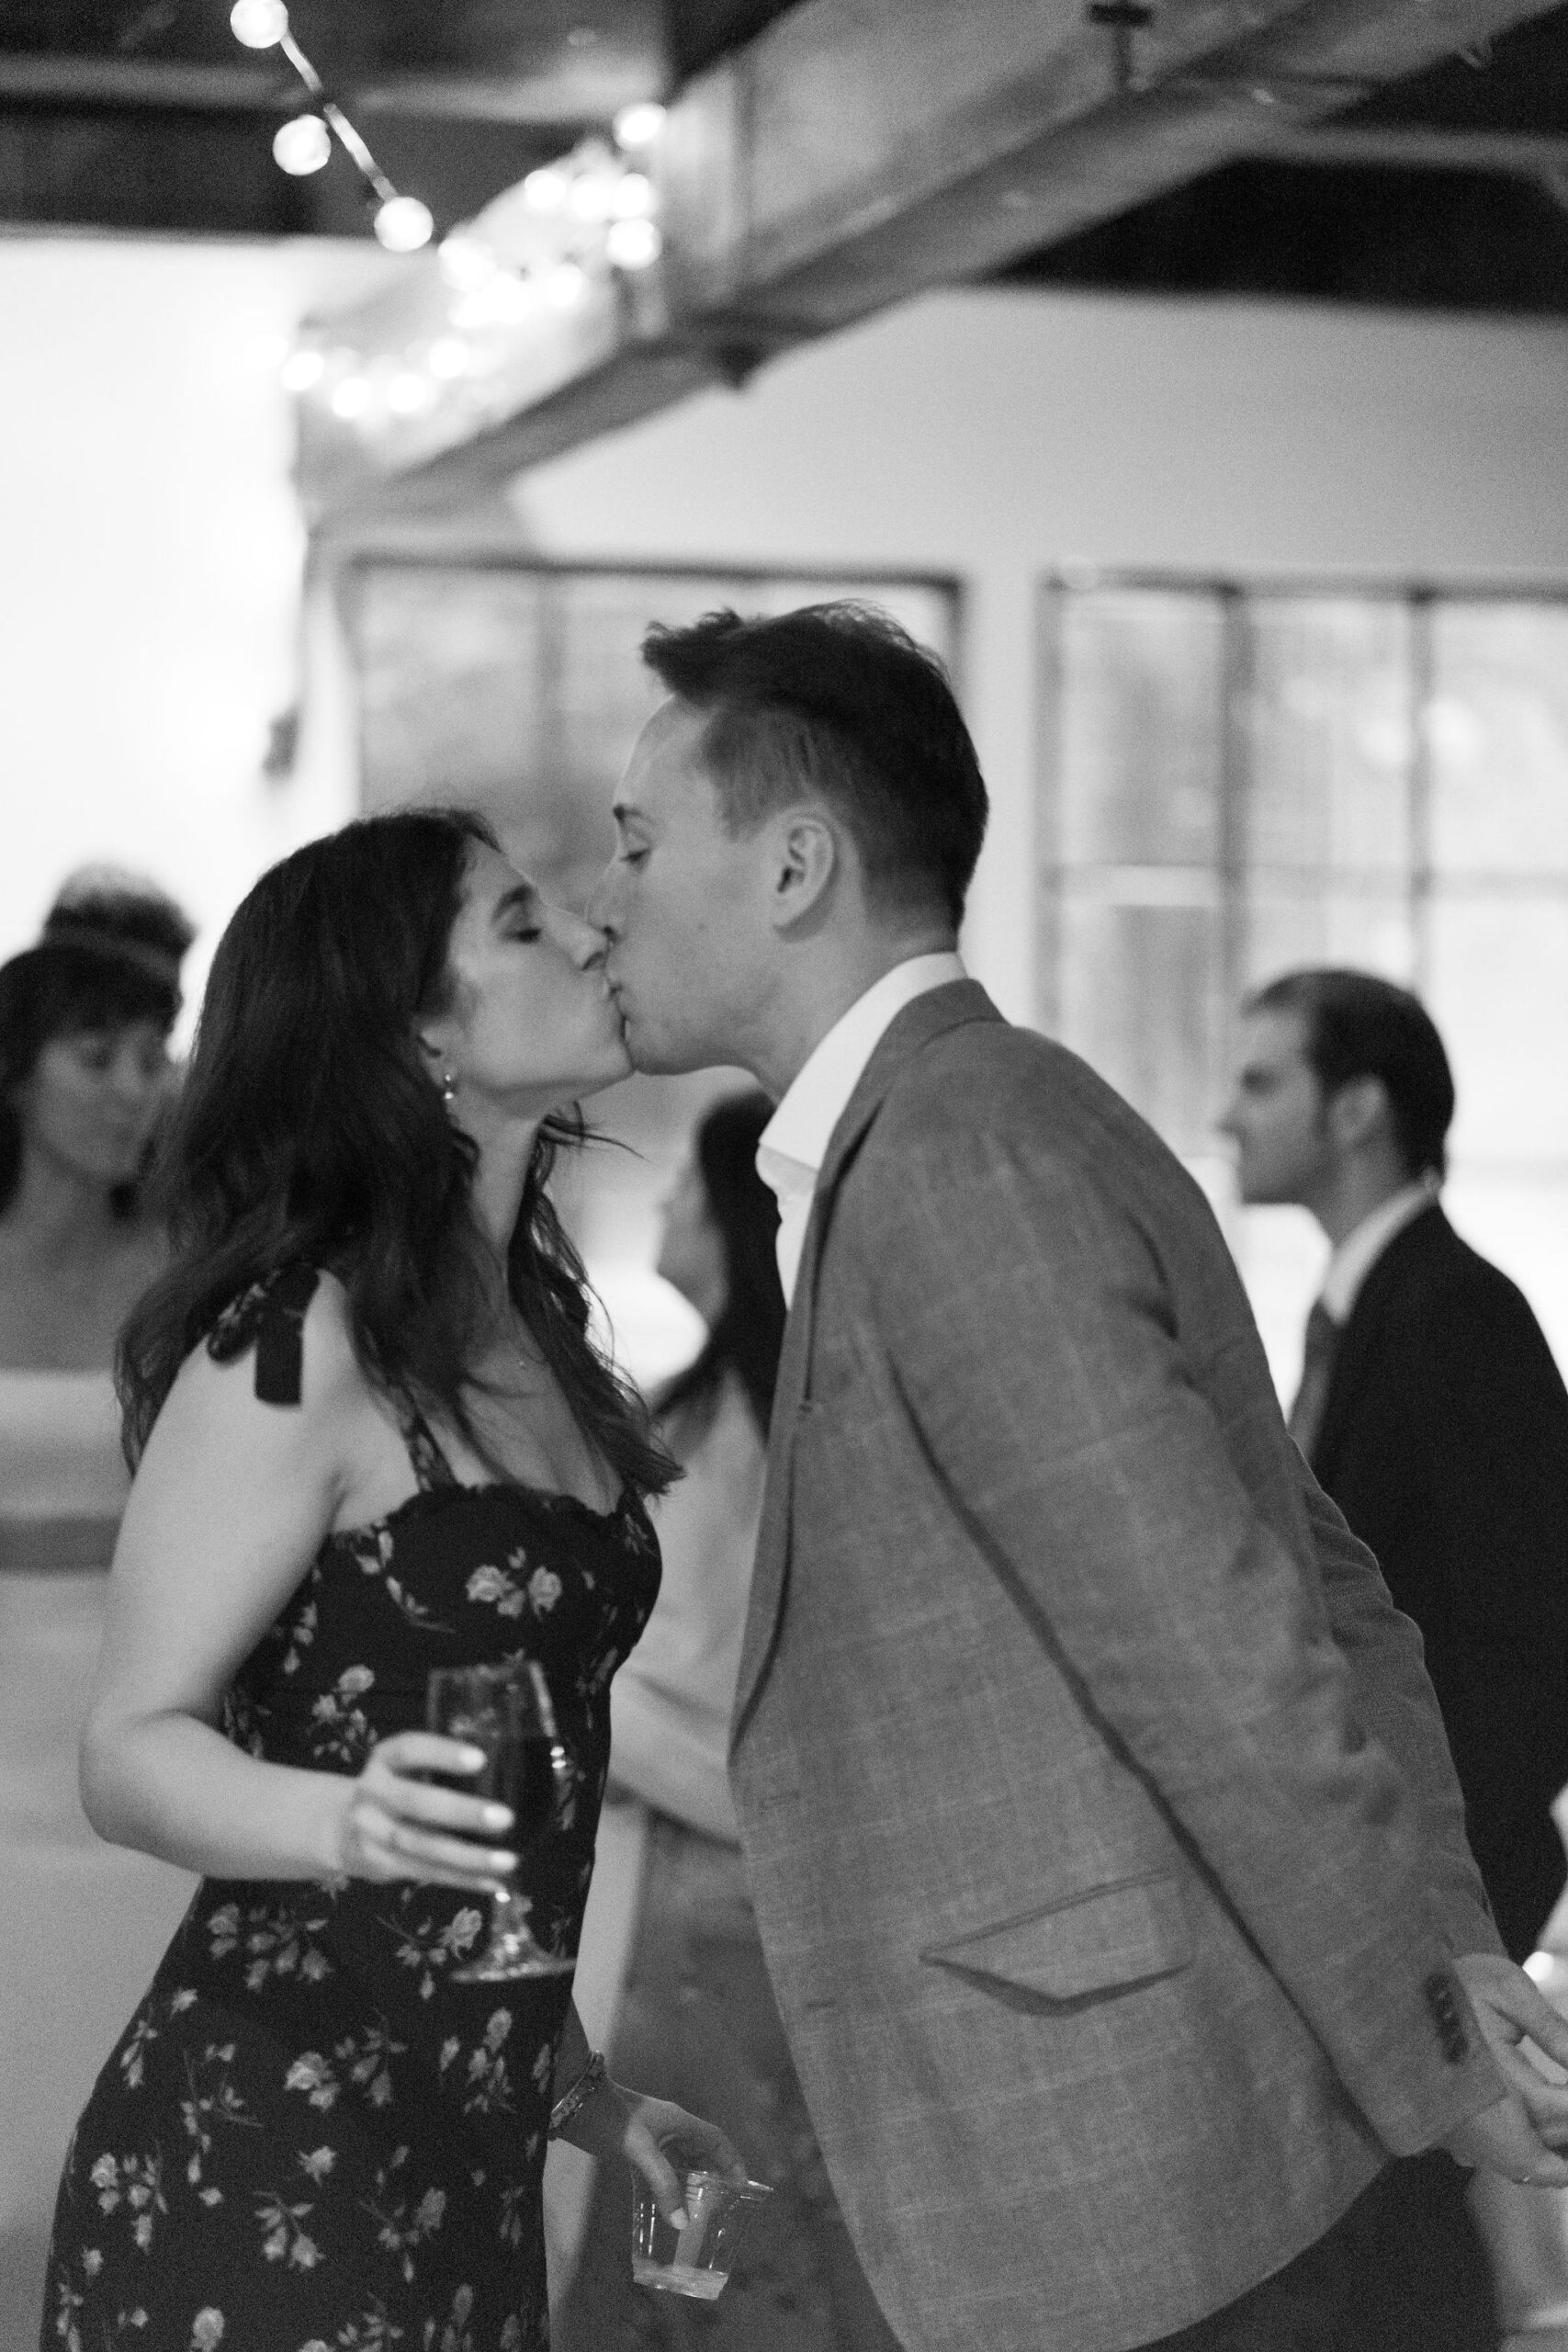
point(85, 1022)
point(697, 2015)
point(372, 1437)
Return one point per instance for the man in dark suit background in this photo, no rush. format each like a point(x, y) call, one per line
point(1429, 1407)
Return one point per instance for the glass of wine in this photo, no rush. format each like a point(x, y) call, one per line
point(507, 1711)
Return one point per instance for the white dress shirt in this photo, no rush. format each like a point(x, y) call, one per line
point(1362, 1248)
point(794, 1141)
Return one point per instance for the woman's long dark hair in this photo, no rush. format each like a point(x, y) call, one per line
point(109, 956)
point(310, 1129)
point(749, 1334)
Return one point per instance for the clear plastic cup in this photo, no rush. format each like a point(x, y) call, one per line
point(698, 2259)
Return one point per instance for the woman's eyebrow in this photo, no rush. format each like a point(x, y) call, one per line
point(521, 898)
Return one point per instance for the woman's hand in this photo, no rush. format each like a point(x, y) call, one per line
point(391, 1826)
point(658, 2139)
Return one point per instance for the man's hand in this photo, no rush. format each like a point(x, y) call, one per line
point(1519, 2134)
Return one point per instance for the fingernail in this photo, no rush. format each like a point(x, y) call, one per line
point(498, 1817)
point(502, 1861)
point(680, 2219)
point(472, 1759)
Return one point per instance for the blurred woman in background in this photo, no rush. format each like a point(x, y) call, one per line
point(85, 1078)
point(695, 2016)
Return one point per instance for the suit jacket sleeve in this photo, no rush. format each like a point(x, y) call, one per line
point(1031, 1329)
point(1393, 1699)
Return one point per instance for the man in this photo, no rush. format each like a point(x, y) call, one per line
point(1105, 1846)
point(1430, 1407)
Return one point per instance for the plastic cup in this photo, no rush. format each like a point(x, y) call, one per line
point(698, 2259)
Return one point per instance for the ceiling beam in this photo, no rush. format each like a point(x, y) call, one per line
point(859, 151)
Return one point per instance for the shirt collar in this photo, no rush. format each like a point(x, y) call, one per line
point(1360, 1250)
point(794, 1141)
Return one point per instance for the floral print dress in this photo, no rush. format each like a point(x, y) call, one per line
point(309, 2139)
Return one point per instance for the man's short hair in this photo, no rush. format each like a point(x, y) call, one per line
point(1357, 1025)
point(837, 701)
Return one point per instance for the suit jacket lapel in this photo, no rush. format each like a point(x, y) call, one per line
point(927, 1016)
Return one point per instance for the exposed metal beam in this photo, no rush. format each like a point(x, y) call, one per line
point(859, 151)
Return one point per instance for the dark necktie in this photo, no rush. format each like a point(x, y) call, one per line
point(1317, 1370)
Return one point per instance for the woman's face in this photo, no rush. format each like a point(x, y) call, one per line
point(690, 1244)
point(531, 1023)
point(94, 1098)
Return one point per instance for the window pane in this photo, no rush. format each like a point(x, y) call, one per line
point(1329, 727)
point(1497, 738)
point(1137, 728)
point(1141, 1001)
point(1371, 928)
point(1497, 987)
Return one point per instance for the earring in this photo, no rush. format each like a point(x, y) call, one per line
point(448, 1088)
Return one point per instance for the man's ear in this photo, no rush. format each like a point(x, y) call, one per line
point(806, 860)
point(1357, 1110)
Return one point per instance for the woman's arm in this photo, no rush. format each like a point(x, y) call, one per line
point(228, 1507)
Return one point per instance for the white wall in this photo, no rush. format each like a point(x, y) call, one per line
point(149, 591)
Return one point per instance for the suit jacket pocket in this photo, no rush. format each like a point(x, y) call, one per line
point(1100, 1942)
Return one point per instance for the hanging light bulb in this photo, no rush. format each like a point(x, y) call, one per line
point(409, 393)
point(403, 224)
point(450, 358)
point(303, 369)
point(633, 244)
point(258, 24)
point(351, 398)
point(632, 198)
point(546, 189)
point(466, 262)
point(303, 146)
point(566, 284)
point(639, 125)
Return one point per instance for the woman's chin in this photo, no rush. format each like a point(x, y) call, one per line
point(610, 1067)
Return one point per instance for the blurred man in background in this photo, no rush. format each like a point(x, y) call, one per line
point(1429, 1404)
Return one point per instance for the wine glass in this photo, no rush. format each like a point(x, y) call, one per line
point(507, 1711)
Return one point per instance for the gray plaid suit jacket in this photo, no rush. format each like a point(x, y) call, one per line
point(1106, 1848)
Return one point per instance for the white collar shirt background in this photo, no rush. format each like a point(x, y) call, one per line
point(794, 1141)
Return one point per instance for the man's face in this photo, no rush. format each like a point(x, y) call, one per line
point(685, 907)
point(1276, 1116)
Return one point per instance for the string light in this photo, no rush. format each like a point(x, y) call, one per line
point(639, 125)
point(547, 189)
point(402, 224)
point(633, 244)
point(303, 369)
point(303, 146)
point(555, 241)
point(258, 24)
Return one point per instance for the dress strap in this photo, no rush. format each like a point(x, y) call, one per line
point(430, 1467)
point(269, 1317)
